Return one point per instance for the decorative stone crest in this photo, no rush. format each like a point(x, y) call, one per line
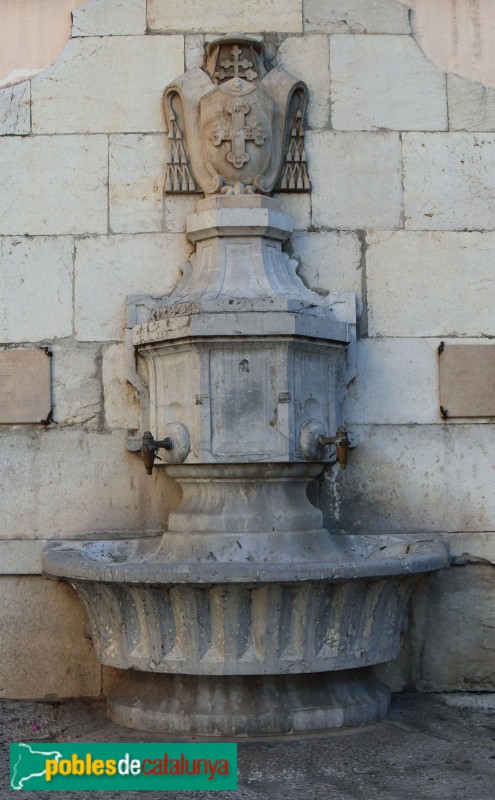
point(234, 128)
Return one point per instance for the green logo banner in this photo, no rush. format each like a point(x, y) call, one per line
point(41, 766)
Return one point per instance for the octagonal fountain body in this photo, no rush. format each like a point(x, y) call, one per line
point(246, 617)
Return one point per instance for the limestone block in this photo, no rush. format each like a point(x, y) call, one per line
point(458, 651)
point(63, 482)
point(298, 206)
point(194, 50)
point(298, 56)
point(18, 557)
point(449, 644)
point(472, 548)
point(137, 167)
point(416, 478)
point(110, 268)
point(356, 179)
point(76, 386)
point(36, 281)
point(71, 96)
point(329, 262)
point(60, 185)
point(471, 105)
point(355, 16)
point(428, 284)
point(121, 405)
point(15, 113)
point(449, 181)
point(252, 16)
point(109, 18)
point(44, 653)
point(396, 383)
point(385, 82)
point(176, 210)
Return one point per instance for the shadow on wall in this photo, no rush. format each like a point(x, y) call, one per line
point(32, 36)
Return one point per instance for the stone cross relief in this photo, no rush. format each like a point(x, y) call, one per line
point(237, 64)
point(238, 133)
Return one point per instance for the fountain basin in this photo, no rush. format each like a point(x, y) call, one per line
point(235, 648)
point(239, 618)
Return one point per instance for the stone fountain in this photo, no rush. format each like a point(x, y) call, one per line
point(246, 617)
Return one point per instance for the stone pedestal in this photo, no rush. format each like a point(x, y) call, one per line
point(237, 706)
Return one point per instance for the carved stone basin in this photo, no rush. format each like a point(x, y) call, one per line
point(211, 614)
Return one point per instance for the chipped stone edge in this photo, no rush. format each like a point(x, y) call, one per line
point(23, 556)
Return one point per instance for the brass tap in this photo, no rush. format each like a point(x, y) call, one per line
point(149, 446)
point(341, 442)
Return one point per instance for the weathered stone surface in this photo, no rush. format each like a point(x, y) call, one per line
point(110, 268)
point(396, 383)
point(36, 280)
point(105, 488)
point(176, 210)
point(235, 705)
point(121, 406)
point(71, 96)
point(472, 548)
point(194, 50)
point(298, 56)
point(76, 384)
point(356, 179)
point(15, 113)
point(329, 262)
point(298, 206)
point(109, 18)
point(20, 557)
point(44, 651)
point(471, 105)
point(417, 478)
point(254, 16)
point(355, 16)
point(385, 82)
point(313, 626)
point(421, 284)
point(137, 167)
point(449, 181)
point(54, 185)
point(458, 649)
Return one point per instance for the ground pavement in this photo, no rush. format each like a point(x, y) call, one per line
point(431, 747)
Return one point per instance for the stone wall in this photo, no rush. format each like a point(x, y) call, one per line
point(401, 158)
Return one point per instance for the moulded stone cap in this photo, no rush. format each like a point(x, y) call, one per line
point(259, 219)
point(301, 324)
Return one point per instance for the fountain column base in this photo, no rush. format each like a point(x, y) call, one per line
point(248, 705)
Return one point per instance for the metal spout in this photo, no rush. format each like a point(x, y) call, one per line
point(149, 446)
point(341, 442)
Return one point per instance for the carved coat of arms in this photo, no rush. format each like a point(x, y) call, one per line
point(234, 127)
